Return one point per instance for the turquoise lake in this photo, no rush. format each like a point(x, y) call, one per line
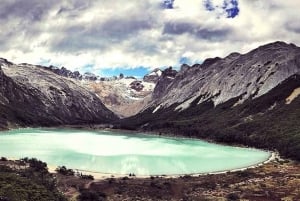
point(123, 153)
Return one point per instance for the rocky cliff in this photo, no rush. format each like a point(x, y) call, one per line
point(153, 76)
point(31, 95)
point(246, 76)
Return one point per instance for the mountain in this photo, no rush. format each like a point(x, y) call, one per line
point(33, 96)
point(153, 76)
point(219, 80)
point(125, 97)
point(251, 99)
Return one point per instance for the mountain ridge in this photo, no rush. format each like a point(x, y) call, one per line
point(32, 96)
point(258, 108)
point(257, 72)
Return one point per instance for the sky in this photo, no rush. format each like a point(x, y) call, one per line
point(109, 37)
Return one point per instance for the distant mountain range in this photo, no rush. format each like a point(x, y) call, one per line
point(251, 99)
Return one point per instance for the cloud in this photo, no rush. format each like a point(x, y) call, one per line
point(32, 11)
point(294, 26)
point(197, 30)
point(105, 34)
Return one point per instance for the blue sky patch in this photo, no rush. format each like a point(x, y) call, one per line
point(87, 68)
point(184, 60)
point(231, 7)
point(138, 72)
point(168, 4)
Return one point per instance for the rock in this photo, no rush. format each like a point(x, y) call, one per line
point(137, 85)
point(64, 72)
point(33, 96)
point(220, 79)
point(167, 77)
point(125, 97)
point(90, 76)
point(184, 67)
point(153, 76)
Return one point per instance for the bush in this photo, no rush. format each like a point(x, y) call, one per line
point(87, 177)
point(65, 171)
point(3, 159)
point(91, 196)
point(232, 197)
point(36, 164)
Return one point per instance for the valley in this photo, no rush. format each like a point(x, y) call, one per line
point(249, 100)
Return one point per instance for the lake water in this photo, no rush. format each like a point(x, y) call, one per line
point(121, 153)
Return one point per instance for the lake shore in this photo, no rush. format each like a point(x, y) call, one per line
point(252, 184)
point(103, 176)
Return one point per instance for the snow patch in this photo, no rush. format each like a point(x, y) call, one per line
point(157, 108)
point(185, 104)
point(153, 73)
point(159, 72)
point(156, 73)
point(126, 81)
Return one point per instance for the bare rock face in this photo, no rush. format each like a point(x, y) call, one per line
point(70, 74)
point(125, 97)
point(65, 72)
point(167, 77)
point(153, 76)
point(90, 76)
point(31, 95)
point(247, 76)
point(137, 85)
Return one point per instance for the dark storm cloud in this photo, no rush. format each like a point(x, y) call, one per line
point(119, 26)
point(21, 18)
point(179, 28)
point(102, 35)
point(33, 10)
point(26, 19)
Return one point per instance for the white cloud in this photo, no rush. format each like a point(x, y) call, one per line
point(136, 33)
